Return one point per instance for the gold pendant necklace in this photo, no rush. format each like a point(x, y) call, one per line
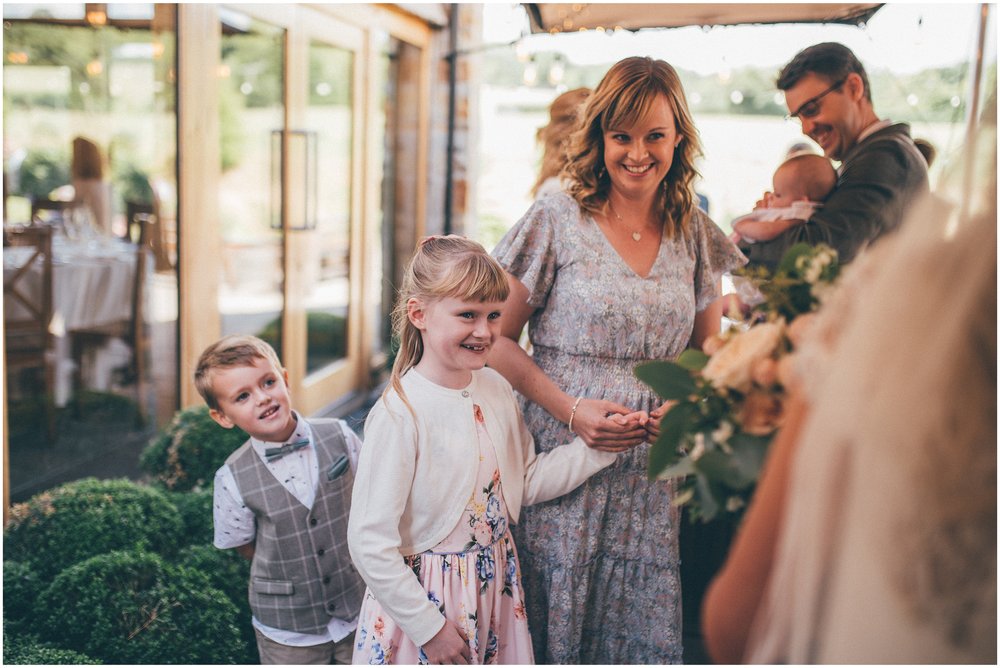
point(636, 236)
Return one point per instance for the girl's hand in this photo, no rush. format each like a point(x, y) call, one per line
point(448, 646)
point(655, 416)
point(605, 425)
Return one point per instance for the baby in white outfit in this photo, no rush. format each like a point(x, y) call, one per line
point(801, 183)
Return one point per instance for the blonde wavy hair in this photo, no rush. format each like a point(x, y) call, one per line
point(564, 116)
point(626, 95)
point(441, 267)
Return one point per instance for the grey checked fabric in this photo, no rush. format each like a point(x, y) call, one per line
point(302, 573)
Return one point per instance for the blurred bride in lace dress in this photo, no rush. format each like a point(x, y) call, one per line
point(872, 538)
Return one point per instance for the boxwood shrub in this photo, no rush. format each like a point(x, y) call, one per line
point(28, 650)
point(67, 524)
point(229, 573)
point(21, 587)
point(195, 510)
point(189, 450)
point(131, 607)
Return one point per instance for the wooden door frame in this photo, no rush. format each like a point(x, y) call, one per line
point(198, 177)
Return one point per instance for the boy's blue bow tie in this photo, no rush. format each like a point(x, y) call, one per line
point(274, 454)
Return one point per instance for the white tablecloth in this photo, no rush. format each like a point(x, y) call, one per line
point(91, 286)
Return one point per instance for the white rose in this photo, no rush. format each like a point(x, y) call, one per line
point(732, 365)
point(722, 434)
point(734, 503)
point(813, 271)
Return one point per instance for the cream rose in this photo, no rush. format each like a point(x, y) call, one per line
point(732, 365)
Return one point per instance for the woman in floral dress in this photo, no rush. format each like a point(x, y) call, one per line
point(621, 269)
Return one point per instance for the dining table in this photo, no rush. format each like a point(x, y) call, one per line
point(92, 286)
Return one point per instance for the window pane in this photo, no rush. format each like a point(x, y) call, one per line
point(90, 137)
point(251, 110)
point(66, 11)
point(329, 113)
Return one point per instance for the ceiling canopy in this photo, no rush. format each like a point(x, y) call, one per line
point(567, 17)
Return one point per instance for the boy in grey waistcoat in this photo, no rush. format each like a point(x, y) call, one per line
point(282, 500)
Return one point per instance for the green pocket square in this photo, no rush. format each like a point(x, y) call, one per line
point(337, 468)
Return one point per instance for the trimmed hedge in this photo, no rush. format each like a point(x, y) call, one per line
point(28, 650)
point(70, 523)
point(326, 337)
point(229, 573)
point(21, 588)
point(133, 607)
point(188, 452)
point(195, 510)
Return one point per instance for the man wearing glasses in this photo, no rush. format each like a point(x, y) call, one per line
point(881, 171)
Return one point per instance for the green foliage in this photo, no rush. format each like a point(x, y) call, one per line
point(797, 284)
point(131, 607)
point(326, 337)
point(42, 172)
point(229, 573)
point(331, 66)
point(98, 407)
point(68, 47)
point(28, 650)
point(69, 523)
point(700, 442)
point(255, 58)
point(752, 90)
point(715, 436)
point(232, 134)
point(26, 416)
point(491, 228)
point(189, 450)
point(195, 508)
point(670, 381)
point(226, 570)
point(132, 183)
point(21, 587)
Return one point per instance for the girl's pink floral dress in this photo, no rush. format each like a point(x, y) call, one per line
point(472, 575)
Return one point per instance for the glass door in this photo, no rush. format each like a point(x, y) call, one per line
point(326, 249)
point(291, 192)
point(325, 223)
point(252, 109)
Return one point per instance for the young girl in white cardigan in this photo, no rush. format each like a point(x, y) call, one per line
point(446, 465)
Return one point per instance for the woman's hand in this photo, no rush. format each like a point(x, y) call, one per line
point(655, 416)
point(448, 646)
point(605, 425)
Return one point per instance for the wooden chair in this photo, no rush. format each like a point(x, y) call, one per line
point(52, 212)
point(28, 310)
point(137, 213)
point(133, 331)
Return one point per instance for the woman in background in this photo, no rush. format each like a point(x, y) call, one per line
point(564, 116)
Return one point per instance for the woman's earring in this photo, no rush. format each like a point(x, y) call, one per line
point(601, 172)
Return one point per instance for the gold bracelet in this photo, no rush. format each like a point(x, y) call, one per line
point(572, 413)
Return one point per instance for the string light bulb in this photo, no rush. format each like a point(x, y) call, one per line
point(97, 17)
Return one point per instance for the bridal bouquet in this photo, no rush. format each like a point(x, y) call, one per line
point(729, 399)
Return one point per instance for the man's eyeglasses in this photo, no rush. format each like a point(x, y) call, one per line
point(811, 107)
